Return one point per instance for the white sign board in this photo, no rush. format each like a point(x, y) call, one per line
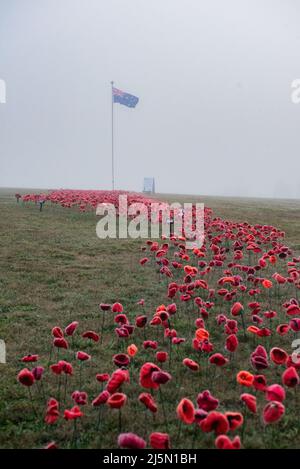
point(149, 185)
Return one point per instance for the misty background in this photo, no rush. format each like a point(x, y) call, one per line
point(215, 114)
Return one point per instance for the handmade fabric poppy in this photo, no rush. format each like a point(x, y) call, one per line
point(237, 309)
point(273, 412)
point(201, 334)
point(275, 392)
point(290, 377)
point(71, 328)
point(186, 411)
point(121, 359)
point(171, 308)
point(52, 411)
point(218, 359)
point(91, 335)
point(30, 358)
point(146, 375)
point(80, 397)
point(245, 378)
point(82, 356)
point(150, 344)
point(295, 324)
point(26, 377)
point(160, 377)
point(117, 308)
point(231, 343)
point(57, 332)
point(267, 284)
point(282, 329)
point(116, 400)
point(235, 419)
point(141, 321)
point(132, 350)
point(51, 445)
point(250, 401)
point(73, 413)
point(224, 442)
point(117, 378)
point(104, 306)
point(278, 356)
point(200, 415)
point(38, 372)
point(191, 364)
point(293, 309)
point(131, 441)
point(60, 342)
point(206, 401)
point(66, 367)
point(259, 358)
point(231, 327)
point(215, 422)
point(101, 398)
point(148, 400)
point(160, 440)
point(161, 356)
point(260, 382)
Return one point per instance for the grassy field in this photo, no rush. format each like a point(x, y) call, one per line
point(54, 270)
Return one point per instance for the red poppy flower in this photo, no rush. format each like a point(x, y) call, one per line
point(218, 359)
point(131, 441)
point(245, 378)
point(161, 357)
point(70, 329)
point(51, 445)
point(144, 260)
point(146, 375)
point(101, 399)
point(83, 356)
point(132, 350)
point(91, 335)
point(295, 324)
point(38, 372)
point(52, 411)
point(30, 358)
point(160, 377)
point(235, 419)
point(293, 309)
point(273, 412)
point(160, 440)
point(102, 377)
point(26, 377)
point(260, 382)
point(104, 306)
point(117, 308)
point(150, 344)
point(117, 378)
point(278, 355)
point(250, 401)
point(215, 422)
point(259, 358)
point(186, 411)
point(224, 442)
point(231, 343)
point(290, 377)
point(116, 400)
point(121, 359)
point(60, 342)
point(73, 413)
point(191, 364)
point(267, 283)
point(275, 392)
point(148, 401)
point(79, 397)
point(121, 319)
point(206, 401)
point(141, 321)
point(237, 309)
point(57, 332)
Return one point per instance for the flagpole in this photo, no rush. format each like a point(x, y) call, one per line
point(112, 138)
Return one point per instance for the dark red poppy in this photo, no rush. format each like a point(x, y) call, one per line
point(218, 359)
point(191, 364)
point(141, 321)
point(60, 342)
point(237, 309)
point(116, 400)
point(82, 356)
point(102, 377)
point(91, 335)
point(38, 372)
point(117, 378)
point(273, 412)
point(160, 440)
point(275, 392)
point(260, 382)
point(146, 375)
point(224, 442)
point(30, 358)
point(121, 359)
point(71, 328)
point(101, 399)
point(231, 343)
point(52, 411)
point(73, 413)
point(57, 332)
point(117, 308)
point(161, 357)
point(250, 401)
point(282, 329)
point(26, 377)
point(235, 419)
point(80, 397)
point(290, 377)
point(206, 401)
point(160, 377)
point(131, 441)
point(215, 422)
point(259, 358)
point(148, 400)
point(186, 411)
point(150, 344)
point(278, 355)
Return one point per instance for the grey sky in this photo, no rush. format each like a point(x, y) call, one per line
point(214, 80)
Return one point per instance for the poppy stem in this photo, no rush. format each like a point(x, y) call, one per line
point(31, 400)
point(65, 388)
point(163, 408)
point(244, 325)
point(99, 419)
point(102, 327)
point(120, 420)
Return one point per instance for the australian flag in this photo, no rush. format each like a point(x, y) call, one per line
point(124, 98)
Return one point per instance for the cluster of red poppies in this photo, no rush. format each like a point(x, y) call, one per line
point(87, 200)
point(229, 318)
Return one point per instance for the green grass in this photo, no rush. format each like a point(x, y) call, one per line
point(54, 270)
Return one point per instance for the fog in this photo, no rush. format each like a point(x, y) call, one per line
point(215, 114)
